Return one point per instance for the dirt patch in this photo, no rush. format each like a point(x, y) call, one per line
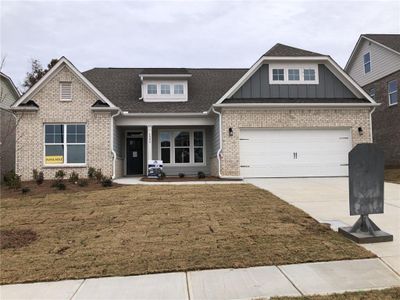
point(46, 188)
point(15, 238)
point(392, 175)
point(177, 179)
point(145, 229)
point(385, 294)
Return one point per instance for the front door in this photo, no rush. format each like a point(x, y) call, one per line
point(134, 156)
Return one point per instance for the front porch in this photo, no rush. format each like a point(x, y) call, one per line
point(184, 148)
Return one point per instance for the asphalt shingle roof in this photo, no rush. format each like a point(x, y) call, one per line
point(122, 87)
point(285, 50)
point(389, 40)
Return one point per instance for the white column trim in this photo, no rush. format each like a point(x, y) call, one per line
point(149, 144)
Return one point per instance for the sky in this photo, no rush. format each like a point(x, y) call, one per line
point(182, 33)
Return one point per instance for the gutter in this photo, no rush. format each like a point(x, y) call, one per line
point(295, 105)
point(112, 142)
point(370, 124)
point(220, 147)
point(127, 114)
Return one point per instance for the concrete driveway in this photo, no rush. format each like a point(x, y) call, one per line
point(326, 200)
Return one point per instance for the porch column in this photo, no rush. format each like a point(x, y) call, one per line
point(149, 143)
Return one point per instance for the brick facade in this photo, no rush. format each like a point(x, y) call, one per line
point(30, 129)
point(386, 119)
point(286, 118)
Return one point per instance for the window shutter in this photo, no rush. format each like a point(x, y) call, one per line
point(66, 90)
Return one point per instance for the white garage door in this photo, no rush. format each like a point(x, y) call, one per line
point(294, 152)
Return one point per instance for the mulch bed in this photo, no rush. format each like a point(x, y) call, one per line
point(185, 179)
point(15, 238)
point(392, 175)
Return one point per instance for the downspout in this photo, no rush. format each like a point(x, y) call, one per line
point(112, 142)
point(220, 147)
point(370, 124)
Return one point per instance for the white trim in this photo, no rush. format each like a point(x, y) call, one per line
point(128, 114)
point(25, 108)
point(290, 66)
point(346, 68)
point(104, 108)
point(112, 125)
point(159, 97)
point(142, 76)
point(299, 105)
point(52, 72)
point(329, 63)
point(191, 147)
point(61, 83)
point(65, 146)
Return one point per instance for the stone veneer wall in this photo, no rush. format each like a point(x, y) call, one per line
point(286, 118)
point(30, 129)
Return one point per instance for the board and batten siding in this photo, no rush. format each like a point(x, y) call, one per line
point(383, 63)
point(258, 86)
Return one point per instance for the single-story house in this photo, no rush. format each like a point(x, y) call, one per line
point(294, 113)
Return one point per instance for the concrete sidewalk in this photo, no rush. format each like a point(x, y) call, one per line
point(137, 180)
point(248, 283)
point(327, 200)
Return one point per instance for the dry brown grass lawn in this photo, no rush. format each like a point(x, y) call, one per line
point(147, 229)
point(392, 175)
point(386, 294)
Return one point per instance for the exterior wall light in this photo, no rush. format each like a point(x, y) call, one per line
point(360, 131)
point(230, 131)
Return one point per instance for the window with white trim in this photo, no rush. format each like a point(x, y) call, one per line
point(65, 91)
point(392, 92)
point(152, 89)
point(165, 89)
point(278, 74)
point(309, 74)
point(65, 144)
point(178, 89)
point(367, 62)
point(182, 147)
point(294, 74)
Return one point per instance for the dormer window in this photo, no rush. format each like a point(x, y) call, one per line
point(165, 89)
point(278, 74)
point(309, 74)
point(293, 73)
point(65, 91)
point(152, 89)
point(178, 89)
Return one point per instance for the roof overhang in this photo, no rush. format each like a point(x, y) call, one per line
point(144, 76)
point(63, 61)
point(326, 60)
point(346, 68)
point(296, 105)
point(11, 83)
point(25, 108)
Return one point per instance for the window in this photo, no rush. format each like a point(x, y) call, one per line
point(278, 75)
point(182, 147)
point(392, 92)
point(372, 93)
point(152, 89)
point(294, 74)
point(165, 89)
point(65, 144)
point(65, 91)
point(367, 62)
point(309, 74)
point(178, 89)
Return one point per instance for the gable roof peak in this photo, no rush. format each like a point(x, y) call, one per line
point(389, 40)
point(285, 50)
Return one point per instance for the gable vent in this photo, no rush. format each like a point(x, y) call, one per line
point(66, 91)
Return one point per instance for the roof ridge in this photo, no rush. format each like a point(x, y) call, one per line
point(280, 49)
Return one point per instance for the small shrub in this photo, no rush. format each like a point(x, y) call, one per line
point(35, 174)
point(161, 175)
point(60, 174)
point(83, 182)
point(98, 175)
point(25, 190)
point(181, 175)
point(106, 181)
point(91, 171)
point(12, 180)
point(40, 178)
point(59, 185)
point(201, 175)
point(73, 177)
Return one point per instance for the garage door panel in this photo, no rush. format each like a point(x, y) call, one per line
point(270, 152)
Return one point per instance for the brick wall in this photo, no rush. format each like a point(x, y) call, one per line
point(286, 118)
point(30, 130)
point(386, 119)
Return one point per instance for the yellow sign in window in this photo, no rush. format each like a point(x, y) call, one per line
point(59, 159)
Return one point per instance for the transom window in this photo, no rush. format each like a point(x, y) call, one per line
point(65, 144)
point(181, 147)
point(309, 74)
point(165, 89)
point(152, 89)
point(393, 92)
point(278, 74)
point(294, 74)
point(367, 62)
point(178, 89)
point(65, 91)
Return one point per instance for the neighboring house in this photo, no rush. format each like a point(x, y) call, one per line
point(8, 95)
point(293, 113)
point(375, 65)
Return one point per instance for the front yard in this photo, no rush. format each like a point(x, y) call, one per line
point(392, 175)
point(146, 229)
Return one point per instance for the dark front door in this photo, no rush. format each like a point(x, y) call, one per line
point(134, 156)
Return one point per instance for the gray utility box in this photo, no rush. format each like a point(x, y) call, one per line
point(154, 168)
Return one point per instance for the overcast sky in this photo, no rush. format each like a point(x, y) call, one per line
point(182, 33)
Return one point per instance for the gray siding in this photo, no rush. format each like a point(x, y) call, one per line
point(258, 87)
